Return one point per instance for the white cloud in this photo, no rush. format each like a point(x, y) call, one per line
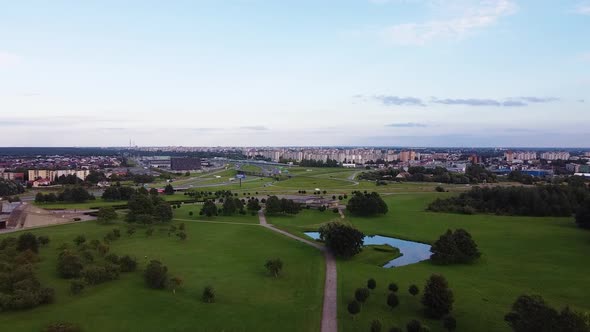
point(478, 16)
point(8, 60)
point(583, 8)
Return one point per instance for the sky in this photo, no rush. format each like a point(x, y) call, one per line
point(491, 73)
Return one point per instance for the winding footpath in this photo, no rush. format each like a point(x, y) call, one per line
point(330, 307)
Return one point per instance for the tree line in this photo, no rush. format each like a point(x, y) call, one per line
point(75, 194)
point(9, 188)
point(473, 174)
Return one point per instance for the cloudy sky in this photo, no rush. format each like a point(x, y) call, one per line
point(295, 72)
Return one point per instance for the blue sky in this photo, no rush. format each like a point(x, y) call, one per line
point(317, 72)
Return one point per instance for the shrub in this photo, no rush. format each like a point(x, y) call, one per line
point(181, 235)
point(361, 294)
point(371, 284)
point(27, 241)
point(156, 275)
point(392, 287)
point(106, 214)
point(112, 258)
point(208, 295)
point(69, 265)
point(414, 290)
point(450, 323)
point(376, 325)
point(354, 308)
point(95, 275)
point(127, 264)
point(438, 298)
point(392, 300)
point(365, 204)
point(414, 326)
point(43, 240)
point(274, 266)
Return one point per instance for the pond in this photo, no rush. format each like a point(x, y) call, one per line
point(412, 252)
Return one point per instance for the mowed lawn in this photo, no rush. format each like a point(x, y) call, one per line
point(521, 255)
point(229, 257)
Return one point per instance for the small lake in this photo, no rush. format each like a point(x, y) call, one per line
point(412, 252)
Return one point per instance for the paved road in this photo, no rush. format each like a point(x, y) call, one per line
point(330, 307)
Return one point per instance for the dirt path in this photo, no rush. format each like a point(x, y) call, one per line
point(330, 307)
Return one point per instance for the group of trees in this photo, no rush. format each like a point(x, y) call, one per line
point(437, 300)
point(473, 174)
point(147, 209)
point(532, 314)
point(547, 200)
point(366, 204)
point(274, 205)
point(343, 239)
point(454, 247)
point(75, 194)
point(319, 163)
point(9, 187)
point(118, 193)
point(19, 286)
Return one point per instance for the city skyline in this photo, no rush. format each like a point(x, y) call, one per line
point(457, 73)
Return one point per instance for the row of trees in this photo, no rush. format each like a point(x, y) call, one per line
point(473, 174)
point(74, 194)
point(19, 286)
point(547, 200)
point(366, 204)
point(274, 205)
point(9, 187)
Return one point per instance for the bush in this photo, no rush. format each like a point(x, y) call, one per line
point(27, 241)
point(69, 265)
point(361, 294)
point(454, 247)
point(106, 214)
point(392, 287)
point(439, 189)
point(450, 323)
point(274, 266)
point(376, 325)
point(62, 327)
point(342, 239)
point(371, 284)
point(43, 240)
point(95, 275)
point(438, 298)
point(127, 264)
point(156, 275)
point(208, 295)
point(76, 287)
point(392, 300)
point(112, 258)
point(354, 308)
point(414, 290)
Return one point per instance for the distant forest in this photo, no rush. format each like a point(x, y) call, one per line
point(547, 200)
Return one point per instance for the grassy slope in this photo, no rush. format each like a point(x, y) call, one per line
point(521, 255)
point(229, 257)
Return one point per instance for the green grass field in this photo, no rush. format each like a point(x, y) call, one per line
point(229, 257)
point(521, 255)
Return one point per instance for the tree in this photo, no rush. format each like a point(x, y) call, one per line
point(69, 265)
point(27, 241)
point(169, 190)
point(229, 206)
point(181, 235)
point(274, 266)
point(450, 323)
point(163, 212)
point(531, 313)
point(342, 239)
point(392, 300)
point(43, 240)
point(572, 321)
point(130, 231)
point(273, 205)
point(414, 326)
point(361, 295)
point(39, 198)
point(156, 275)
point(454, 247)
point(393, 287)
point(414, 290)
point(395, 329)
point(127, 263)
point(583, 215)
point(365, 204)
point(106, 214)
point(354, 308)
point(438, 298)
point(208, 295)
point(209, 208)
point(253, 205)
point(371, 284)
point(376, 325)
